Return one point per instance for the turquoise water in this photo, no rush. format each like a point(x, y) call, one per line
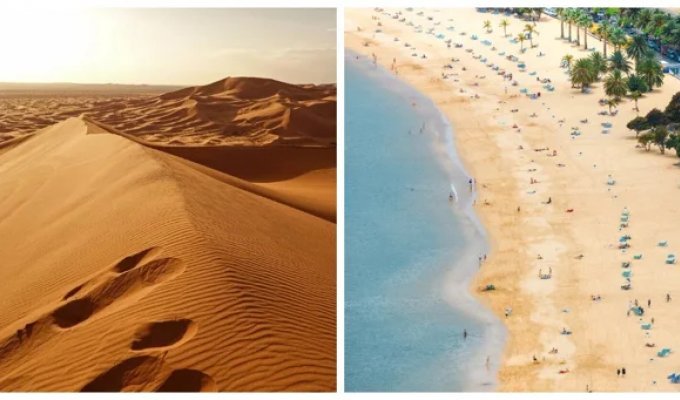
point(409, 252)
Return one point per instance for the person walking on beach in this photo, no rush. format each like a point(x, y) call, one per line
point(649, 303)
point(618, 372)
point(470, 183)
point(464, 334)
point(668, 297)
point(623, 371)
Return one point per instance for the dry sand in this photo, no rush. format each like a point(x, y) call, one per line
point(135, 266)
point(604, 338)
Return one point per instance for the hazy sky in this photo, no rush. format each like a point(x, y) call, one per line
point(166, 46)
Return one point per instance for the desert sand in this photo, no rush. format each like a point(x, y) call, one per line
point(175, 242)
point(529, 236)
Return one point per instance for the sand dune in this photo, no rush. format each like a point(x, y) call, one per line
point(128, 266)
point(249, 111)
point(243, 111)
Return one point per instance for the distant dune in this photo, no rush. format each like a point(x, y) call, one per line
point(64, 88)
point(153, 259)
point(231, 111)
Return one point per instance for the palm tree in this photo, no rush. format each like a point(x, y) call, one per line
point(615, 85)
point(583, 73)
point(577, 21)
point(655, 26)
point(521, 38)
point(568, 59)
point(504, 24)
point(599, 63)
point(618, 61)
point(637, 84)
point(487, 26)
point(570, 15)
point(611, 103)
point(531, 31)
point(635, 96)
point(585, 21)
point(637, 48)
point(644, 18)
point(650, 70)
point(603, 30)
point(561, 14)
point(618, 38)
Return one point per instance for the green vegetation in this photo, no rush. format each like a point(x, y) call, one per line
point(583, 73)
point(617, 61)
point(615, 85)
point(521, 38)
point(661, 128)
point(632, 69)
point(530, 31)
point(504, 24)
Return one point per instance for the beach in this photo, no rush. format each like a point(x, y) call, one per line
point(174, 242)
point(543, 197)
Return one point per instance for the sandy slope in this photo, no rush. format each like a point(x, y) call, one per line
point(127, 268)
point(604, 337)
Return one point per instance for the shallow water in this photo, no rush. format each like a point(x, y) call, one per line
point(410, 253)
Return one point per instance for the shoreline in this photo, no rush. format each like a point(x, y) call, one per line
point(457, 275)
point(489, 150)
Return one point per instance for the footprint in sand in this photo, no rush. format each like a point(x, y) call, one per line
point(132, 277)
point(163, 335)
point(148, 373)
